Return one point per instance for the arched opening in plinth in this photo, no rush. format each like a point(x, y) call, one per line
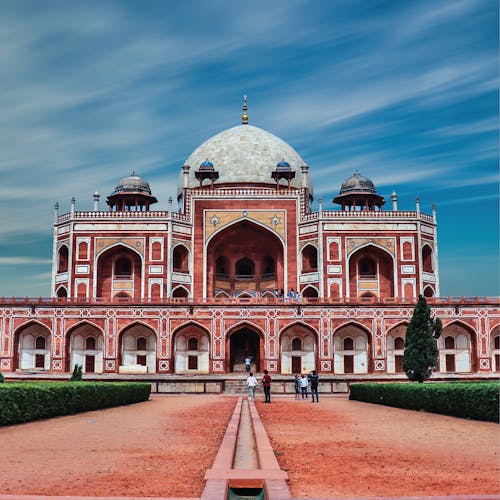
point(32, 344)
point(241, 342)
point(244, 258)
point(352, 349)
point(396, 337)
point(298, 345)
point(85, 347)
point(191, 349)
point(457, 349)
point(137, 349)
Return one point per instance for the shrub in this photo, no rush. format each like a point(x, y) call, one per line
point(23, 402)
point(77, 373)
point(478, 401)
point(1, 379)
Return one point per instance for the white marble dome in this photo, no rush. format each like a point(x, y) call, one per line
point(244, 155)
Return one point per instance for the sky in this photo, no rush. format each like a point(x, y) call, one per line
point(406, 92)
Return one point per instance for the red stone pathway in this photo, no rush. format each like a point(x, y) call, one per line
point(334, 449)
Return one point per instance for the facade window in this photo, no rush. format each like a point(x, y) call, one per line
point(83, 250)
point(141, 344)
point(497, 342)
point(399, 343)
point(367, 268)
point(156, 250)
point(40, 343)
point(90, 343)
point(348, 344)
point(407, 251)
point(297, 344)
point(427, 259)
point(245, 267)
point(449, 343)
point(180, 259)
point(142, 360)
point(62, 264)
point(123, 268)
point(309, 259)
point(333, 251)
point(192, 344)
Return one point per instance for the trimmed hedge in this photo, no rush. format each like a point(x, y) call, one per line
point(477, 401)
point(23, 402)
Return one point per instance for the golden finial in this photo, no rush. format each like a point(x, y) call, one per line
point(245, 116)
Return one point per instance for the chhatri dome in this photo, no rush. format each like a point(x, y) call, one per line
point(244, 155)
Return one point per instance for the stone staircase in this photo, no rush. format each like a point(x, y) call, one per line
point(236, 386)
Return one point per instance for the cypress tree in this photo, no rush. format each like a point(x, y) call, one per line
point(421, 352)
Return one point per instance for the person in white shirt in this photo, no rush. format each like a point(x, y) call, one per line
point(248, 362)
point(303, 386)
point(251, 383)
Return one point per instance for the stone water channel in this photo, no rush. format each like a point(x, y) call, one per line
point(245, 466)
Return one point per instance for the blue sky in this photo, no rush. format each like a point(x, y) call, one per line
point(404, 91)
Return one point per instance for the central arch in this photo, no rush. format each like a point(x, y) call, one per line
point(244, 340)
point(244, 258)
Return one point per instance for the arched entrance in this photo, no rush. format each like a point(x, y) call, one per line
point(242, 342)
point(244, 258)
point(371, 270)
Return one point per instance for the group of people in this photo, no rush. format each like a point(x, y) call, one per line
point(302, 384)
point(292, 294)
point(266, 383)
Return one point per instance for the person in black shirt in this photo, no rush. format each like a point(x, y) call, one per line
point(313, 382)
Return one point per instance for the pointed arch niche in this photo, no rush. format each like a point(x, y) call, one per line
point(138, 349)
point(371, 270)
point(351, 349)
point(244, 258)
point(119, 273)
point(396, 337)
point(84, 346)
point(32, 342)
point(191, 350)
point(298, 349)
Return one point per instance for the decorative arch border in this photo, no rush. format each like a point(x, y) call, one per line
point(67, 339)
point(251, 326)
point(207, 242)
point(98, 255)
point(17, 333)
point(244, 219)
point(380, 247)
point(372, 364)
point(298, 323)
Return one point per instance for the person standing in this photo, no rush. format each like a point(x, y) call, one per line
point(314, 380)
point(266, 382)
point(251, 384)
point(297, 387)
point(248, 362)
point(303, 386)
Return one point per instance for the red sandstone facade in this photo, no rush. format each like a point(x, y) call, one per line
point(195, 291)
